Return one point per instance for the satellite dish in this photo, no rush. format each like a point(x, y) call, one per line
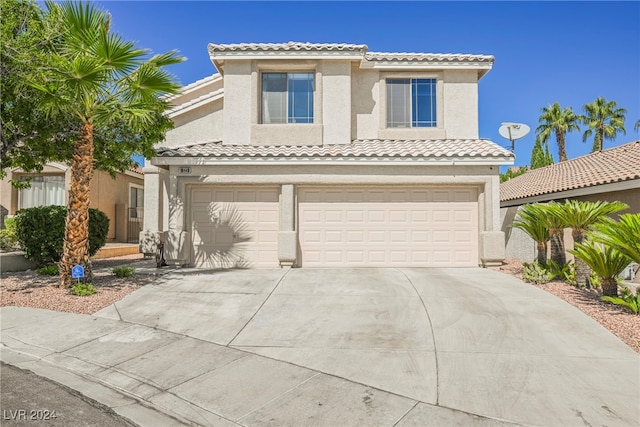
point(513, 131)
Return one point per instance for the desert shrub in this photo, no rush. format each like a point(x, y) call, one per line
point(535, 273)
point(8, 235)
point(48, 270)
point(40, 232)
point(566, 273)
point(83, 289)
point(124, 271)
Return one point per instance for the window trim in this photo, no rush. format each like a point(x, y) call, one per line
point(44, 177)
point(137, 187)
point(411, 79)
point(287, 72)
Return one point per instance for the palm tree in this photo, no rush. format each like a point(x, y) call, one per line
point(531, 220)
point(556, 224)
point(604, 120)
point(580, 216)
point(637, 126)
point(98, 79)
point(622, 235)
point(558, 121)
point(605, 261)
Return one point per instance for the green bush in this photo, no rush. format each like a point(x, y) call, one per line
point(536, 273)
point(41, 232)
point(8, 235)
point(566, 273)
point(124, 271)
point(48, 270)
point(83, 289)
point(626, 299)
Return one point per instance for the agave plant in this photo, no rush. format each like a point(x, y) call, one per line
point(605, 261)
point(531, 220)
point(581, 216)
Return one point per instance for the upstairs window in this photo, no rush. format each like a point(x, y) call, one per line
point(287, 98)
point(411, 103)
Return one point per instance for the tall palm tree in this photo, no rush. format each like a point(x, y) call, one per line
point(531, 220)
point(604, 120)
point(558, 121)
point(622, 235)
point(98, 79)
point(637, 126)
point(581, 216)
point(556, 224)
point(605, 261)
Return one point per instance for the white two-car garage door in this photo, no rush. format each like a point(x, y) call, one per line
point(403, 227)
point(234, 226)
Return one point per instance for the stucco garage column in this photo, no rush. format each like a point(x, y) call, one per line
point(287, 236)
point(152, 230)
point(492, 242)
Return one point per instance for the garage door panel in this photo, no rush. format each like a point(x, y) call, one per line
point(388, 227)
point(237, 227)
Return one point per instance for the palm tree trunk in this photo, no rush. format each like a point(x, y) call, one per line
point(597, 141)
point(557, 247)
point(542, 253)
point(609, 287)
point(76, 233)
point(562, 149)
point(582, 269)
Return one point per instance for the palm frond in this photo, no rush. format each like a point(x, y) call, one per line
point(605, 261)
point(622, 235)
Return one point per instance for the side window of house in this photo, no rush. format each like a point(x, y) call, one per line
point(411, 103)
point(44, 191)
point(287, 97)
point(136, 202)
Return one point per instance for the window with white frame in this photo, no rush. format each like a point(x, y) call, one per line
point(44, 191)
point(136, 202)
point(287, 98)
point(411, 103)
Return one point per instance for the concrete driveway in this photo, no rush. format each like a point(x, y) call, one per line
point(389, 347)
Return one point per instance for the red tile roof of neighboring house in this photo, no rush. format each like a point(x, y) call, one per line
point(136, 169)
point(363, 148)
point(615, 164)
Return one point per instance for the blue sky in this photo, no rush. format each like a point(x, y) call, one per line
point(569, 52)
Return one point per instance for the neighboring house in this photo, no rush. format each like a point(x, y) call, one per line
point(121, 199)
point(608, 175)
point(327, 155)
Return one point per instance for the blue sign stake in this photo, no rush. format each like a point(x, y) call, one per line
point(77, 271)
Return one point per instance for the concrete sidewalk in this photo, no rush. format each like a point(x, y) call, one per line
point(405, 347)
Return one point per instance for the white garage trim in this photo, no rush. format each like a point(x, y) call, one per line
point(234, 226)
point(388, 226)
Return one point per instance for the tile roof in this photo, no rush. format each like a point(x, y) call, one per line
point(430, 57)
point(615, 164)
point(290, 46)
point(365, 148)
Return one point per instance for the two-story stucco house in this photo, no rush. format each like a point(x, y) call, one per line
point(325, 155)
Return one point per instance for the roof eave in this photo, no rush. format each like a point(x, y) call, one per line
point(368, 161)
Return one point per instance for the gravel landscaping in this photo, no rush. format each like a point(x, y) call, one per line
point(28, 289)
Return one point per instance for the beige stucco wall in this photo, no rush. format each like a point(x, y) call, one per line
point(105, 194)
point(201, 124)
point(177, 236)
point(520, 246)
point(349, 103)
point(460, 104)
